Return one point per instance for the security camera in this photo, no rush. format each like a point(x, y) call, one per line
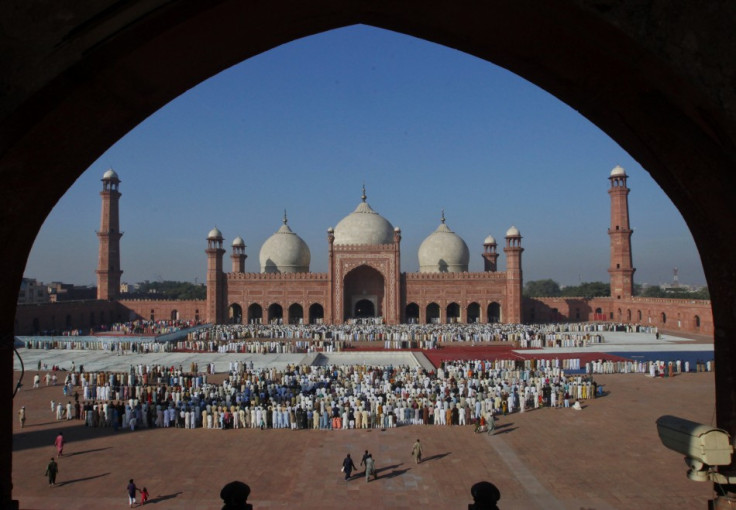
point(702, 445)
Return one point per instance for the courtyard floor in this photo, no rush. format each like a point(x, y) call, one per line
point(607, 456)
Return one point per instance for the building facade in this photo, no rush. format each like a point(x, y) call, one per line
point(364, 280)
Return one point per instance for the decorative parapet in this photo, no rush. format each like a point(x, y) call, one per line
point(278, 276)
point(160, 301)
point(456, 276)
point(364, 247)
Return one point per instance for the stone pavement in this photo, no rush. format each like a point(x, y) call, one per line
point(607, 456)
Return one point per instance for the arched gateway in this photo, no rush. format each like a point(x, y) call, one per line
point(364, 293)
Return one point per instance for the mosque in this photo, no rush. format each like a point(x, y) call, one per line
point(364, 279)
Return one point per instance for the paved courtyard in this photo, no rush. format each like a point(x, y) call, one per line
point(607, 456)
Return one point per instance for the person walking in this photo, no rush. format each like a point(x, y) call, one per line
point(365, 456)
point(370, 468)
point(416, 452)
point(347, 467)
point(51, 470)
point(22, 416)
point(59, 443)
point(132, 489)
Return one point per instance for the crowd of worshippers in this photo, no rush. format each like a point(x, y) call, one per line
point(395, 335)
point(319, 397)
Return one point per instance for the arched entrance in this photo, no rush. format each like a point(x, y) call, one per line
point(364, 309)
point(453, 313)
point(433, 313)
point(412, 313)
point(296, 314)
point(473, 312)
point(235, 314)
point(255, 314)
point(275, 314)
point(316, 313)
point(494, 312)
point(363, 285)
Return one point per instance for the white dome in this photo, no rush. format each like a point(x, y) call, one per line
point(364, 226)
point(443, 251)
point(110, 175)
point(214, 234)
point(513, 232)
point(285, 252)
point(238, 241)
point(618, 172)
point(490, 240)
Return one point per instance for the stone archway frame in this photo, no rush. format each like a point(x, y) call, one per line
point(86, 73)
point(383, 264)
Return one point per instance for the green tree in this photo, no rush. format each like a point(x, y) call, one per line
point(588, 290)
point(542, 288)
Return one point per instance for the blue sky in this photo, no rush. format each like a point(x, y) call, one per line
point(425, 127)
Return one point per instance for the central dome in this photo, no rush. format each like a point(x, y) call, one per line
point(443, 251)
point(285, 252)
point(364, 226)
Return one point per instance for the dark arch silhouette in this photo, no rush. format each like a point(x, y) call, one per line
point(452, 313)
point(235, 314)
point(412, 313)
point(432, 312)
point(96, 71)
point(473, 313)
point(255, 313)
point(316, 313)
point(275, 312)
point(494, 312)
point(364, 309)
point(296, 313)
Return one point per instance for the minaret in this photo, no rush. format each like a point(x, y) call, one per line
point(238, 256)
point(215, 278)
point(108, 263)
point(490, 255)
point(514, 281)
point(621, 270)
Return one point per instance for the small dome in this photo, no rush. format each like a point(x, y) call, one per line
point(238, 241)
point(364, 226)
point(215, 234)
point(513, 232)
point(285, 252)
point(443, 251)
point(489, 240)
point(110, 175)
point(618, 172)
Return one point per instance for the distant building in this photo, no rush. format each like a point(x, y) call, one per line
point(59, 291)
point(32, 292)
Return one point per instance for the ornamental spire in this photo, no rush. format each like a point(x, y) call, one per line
point(443, 217)
point(285, 220)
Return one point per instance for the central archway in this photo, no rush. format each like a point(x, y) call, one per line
point(363, 286)
point(364, 309)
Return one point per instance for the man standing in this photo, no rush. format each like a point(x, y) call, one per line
point(22, 416)
point(416, 452)
point(51, 471)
